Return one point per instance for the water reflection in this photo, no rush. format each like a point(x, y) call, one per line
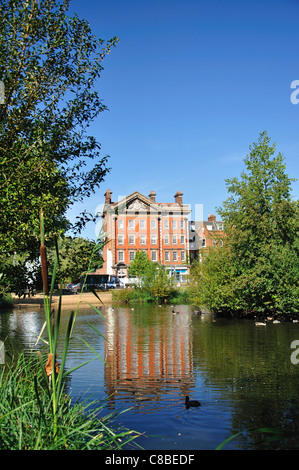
point(148, 353)
point(19, 330)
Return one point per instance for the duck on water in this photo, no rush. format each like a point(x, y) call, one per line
point(192, 403)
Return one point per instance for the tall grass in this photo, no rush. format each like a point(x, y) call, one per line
point(26, 415)
point(35, 411)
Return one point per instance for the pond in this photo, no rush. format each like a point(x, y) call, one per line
point(242, 374)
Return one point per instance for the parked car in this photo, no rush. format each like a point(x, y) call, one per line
point(111, 285)
point(73, 287)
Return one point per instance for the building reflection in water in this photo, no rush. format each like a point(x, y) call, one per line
point(148, 356)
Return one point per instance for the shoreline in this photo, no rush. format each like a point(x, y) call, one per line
point(67, 300)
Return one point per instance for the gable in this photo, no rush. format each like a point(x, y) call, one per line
point(135, 202)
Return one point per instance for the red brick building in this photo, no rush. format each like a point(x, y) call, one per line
point(204, 234)
point(137, 222)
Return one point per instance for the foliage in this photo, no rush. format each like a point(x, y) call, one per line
point(139, 264)
point(18, 272)
point(75, 254)
point(6, 301)
point(155, 284)
point(257, 271)
point(49, 64)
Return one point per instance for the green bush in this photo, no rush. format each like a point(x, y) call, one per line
point(6, 301)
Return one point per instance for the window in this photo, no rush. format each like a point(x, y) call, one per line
point(131, 224)
point(142, 239)
point(182, 239)
point(131, 239)
point(174, 224)
point(166, 224)
point(153, 239)
point(154, 255)
point(120, 224)
point(131, 255)
point(120, 239)
point(167, 256)
point(174, 256)
point(121, 256)
point(166, 239)
point(182, 224)
point(183, 255)
point(203, 242)
point(153, 224)
point(142, 224)
point(174, 239)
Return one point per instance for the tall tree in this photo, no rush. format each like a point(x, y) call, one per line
point(49, 64)
point(259, 270)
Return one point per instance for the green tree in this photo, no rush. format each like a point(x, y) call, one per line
point(139, 264)
point(257, 271)
point(156, 282)
point(75, 259)
point(49, 64)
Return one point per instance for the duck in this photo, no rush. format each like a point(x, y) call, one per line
point(193, 403)
point(260, 323)
point(174, 313)
point(276, 321)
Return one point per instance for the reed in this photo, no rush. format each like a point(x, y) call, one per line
point(26, 416)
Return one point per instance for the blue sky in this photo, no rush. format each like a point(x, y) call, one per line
point(189, 88)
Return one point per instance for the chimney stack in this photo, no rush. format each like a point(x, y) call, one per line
point(108, 196)
point(212, 218)
point(152, 196)
point(178, 197)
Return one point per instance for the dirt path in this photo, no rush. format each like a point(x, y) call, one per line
point(68, 300)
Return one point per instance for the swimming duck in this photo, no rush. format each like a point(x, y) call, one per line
point(189, 403)
point(260, 323)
